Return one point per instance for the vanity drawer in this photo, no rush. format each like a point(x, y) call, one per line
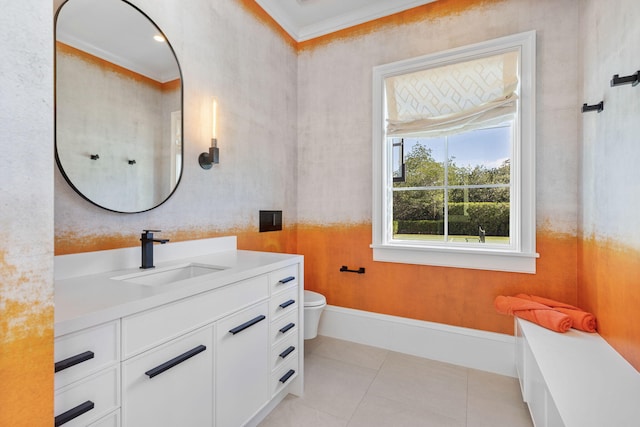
point(284, 376)
point(85, 352)
point(284, 327)
point(283, 278)
point(283, 351)
point(284, 303)
point(93, 398)
point(111, 420)
point(145, 330)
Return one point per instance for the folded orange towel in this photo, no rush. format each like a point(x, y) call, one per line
point(533, 312)
point(547, 301)
point(580, 319)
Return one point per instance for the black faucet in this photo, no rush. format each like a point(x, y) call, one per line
point(147, 247)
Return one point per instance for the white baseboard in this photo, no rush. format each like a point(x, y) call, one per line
point(471, 348)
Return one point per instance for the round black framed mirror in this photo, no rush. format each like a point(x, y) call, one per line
point(119, 103)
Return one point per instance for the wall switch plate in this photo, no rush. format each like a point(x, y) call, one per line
point(270, 221)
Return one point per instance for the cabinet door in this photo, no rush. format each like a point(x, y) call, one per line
point(242, 365)
point(170, 385)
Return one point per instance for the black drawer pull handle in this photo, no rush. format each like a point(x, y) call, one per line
point(287, 303)
point(287, 327)
point(287, 352)
point(286, 376)
point(248, 324)
point(175, 361)
point(72, 413)
point(286, 279)
point(73, 360)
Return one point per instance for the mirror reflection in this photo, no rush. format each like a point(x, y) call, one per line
point(118, 106)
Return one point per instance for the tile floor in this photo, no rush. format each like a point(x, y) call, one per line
point(354, 385)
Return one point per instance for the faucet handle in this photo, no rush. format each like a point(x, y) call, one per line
point(148, 234)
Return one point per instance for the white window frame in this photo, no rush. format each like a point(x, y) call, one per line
point(521, 255)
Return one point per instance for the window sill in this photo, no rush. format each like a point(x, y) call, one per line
point(477, 259)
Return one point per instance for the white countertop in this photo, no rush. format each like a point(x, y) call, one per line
point(86, 293)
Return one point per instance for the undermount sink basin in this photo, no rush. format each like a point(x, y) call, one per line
point(167, 275)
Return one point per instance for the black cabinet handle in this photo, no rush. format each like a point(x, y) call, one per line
point(175, 361)
point(287, 352)
point(287, 327)
point(73, 360)
point(72, 413)
point(286, 376)
point(248, 324)
point(287, 303)
point(286, 279)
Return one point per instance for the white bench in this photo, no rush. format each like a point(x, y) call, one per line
point(575, 379)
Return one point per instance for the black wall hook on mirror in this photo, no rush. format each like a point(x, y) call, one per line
point(599, 107)
point(94, 156)
point(633, 79)
point(131, 162)
point(344, 268)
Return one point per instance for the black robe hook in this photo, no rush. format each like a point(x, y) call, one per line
point(599, 107)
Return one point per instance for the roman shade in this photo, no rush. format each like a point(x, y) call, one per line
point(453, 98)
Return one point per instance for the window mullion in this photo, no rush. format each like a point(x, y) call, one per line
point(446, 189)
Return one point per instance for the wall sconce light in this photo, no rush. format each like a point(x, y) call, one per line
point(206, 160)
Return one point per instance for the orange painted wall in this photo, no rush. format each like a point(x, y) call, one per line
point(460, 297)
point(26, 354)
point(248, 239)
point(454, 296)
point(26, 368)
point(609, 286)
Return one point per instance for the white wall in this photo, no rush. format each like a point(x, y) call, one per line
point(224, 52)
point(26, 123)
point(334, 99)
point(611, 143)
point(609, 259)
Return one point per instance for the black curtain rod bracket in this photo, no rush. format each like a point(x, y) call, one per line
point(633, 79)
point(599, 107)
point(344, 269)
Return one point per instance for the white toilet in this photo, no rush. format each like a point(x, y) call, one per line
point(314, 303)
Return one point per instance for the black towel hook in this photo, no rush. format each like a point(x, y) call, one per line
point(599, 107)
point(633, 79)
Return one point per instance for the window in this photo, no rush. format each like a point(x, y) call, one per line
point(454, 157)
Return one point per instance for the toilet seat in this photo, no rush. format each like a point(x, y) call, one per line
point(313, 299)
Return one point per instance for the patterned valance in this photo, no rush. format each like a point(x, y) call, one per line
point(453, 98)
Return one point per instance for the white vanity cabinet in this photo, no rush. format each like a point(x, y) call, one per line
point(174, 377)
point(221, 353)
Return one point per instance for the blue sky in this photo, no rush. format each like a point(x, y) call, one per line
point(489, 147)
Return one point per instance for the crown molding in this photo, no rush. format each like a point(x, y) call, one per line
point(329, 16)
